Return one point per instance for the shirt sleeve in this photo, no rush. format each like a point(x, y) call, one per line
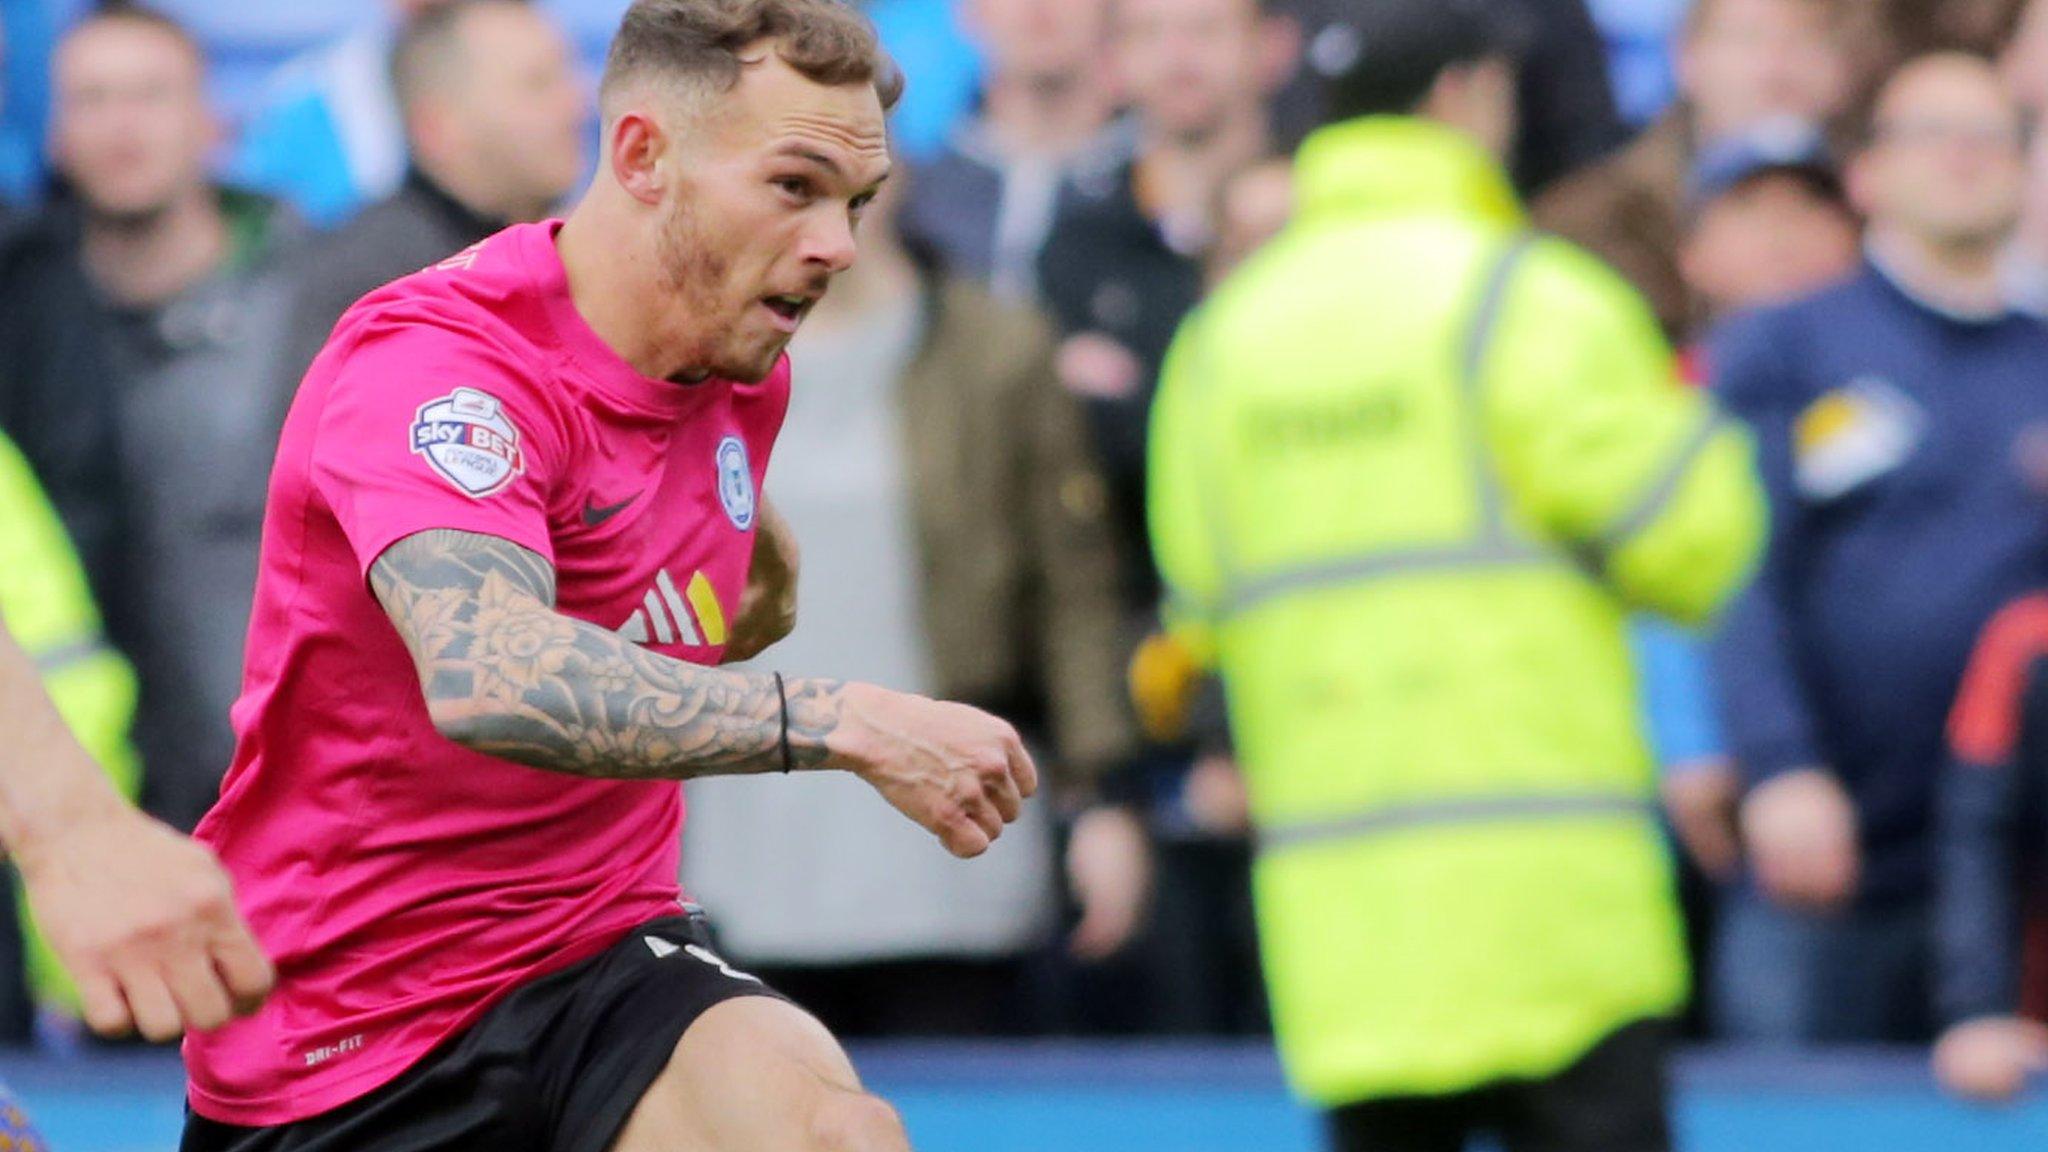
point(1678, 694)
point(1601, 448)
point(1771, 728)
point(1987, 798)
point(1977, 920)
point(426, 428)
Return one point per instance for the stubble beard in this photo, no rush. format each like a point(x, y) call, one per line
point(693, 274)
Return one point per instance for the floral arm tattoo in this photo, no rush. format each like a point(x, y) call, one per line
point(506, 674)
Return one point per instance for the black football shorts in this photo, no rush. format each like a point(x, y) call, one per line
point(557, 1066)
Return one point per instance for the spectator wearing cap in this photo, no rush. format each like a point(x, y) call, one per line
point(1741, 63)
point(1894, 410)
point(1768, 221)
point(985, 201)
point(494, 121)
point(1413, 467)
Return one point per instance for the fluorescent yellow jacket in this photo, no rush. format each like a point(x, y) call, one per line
point(49, 608)
point(1411, 470)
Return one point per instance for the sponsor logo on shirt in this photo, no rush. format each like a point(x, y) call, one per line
point(735, 482)
point(693, 617)
point(1853, 435)
point(469, 440)
point(596, 515)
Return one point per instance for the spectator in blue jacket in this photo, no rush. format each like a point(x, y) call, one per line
point(1768, 221)
point(1890, 410)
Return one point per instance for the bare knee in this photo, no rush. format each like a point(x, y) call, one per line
point(857, 1122)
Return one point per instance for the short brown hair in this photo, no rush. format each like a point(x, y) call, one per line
point(702, 40)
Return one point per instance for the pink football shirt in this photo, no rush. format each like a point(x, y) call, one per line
point(403, 883)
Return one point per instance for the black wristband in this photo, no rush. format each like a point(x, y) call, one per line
point(788, 761)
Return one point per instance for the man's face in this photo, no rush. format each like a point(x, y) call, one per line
point(1768, 239)
point(129, 125)
point(1040, 40)
point(518, 106)
point(1189, 66)
point(1946, 160)
point(1756, 60)
point(766, 188)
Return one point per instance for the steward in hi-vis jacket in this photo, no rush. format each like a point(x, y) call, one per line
point(1412, 469)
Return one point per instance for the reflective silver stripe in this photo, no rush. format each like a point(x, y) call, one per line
point(1378, 565)
point(77, 652)
point(1495, 547)
point(1472, 375)
point(1479, 810)
point(1661, 493)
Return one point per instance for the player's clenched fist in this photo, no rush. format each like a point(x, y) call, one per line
point(145, 922)
point(958, 771)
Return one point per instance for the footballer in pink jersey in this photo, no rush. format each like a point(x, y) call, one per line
point(514, 526)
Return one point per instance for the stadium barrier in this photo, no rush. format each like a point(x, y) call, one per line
point(1155, 1096)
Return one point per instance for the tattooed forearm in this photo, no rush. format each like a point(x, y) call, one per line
point(506, 674)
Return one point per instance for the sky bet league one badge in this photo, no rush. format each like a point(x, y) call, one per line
point(469, 440)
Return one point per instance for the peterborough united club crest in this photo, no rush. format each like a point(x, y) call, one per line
point(468, 439)
point(736, 483)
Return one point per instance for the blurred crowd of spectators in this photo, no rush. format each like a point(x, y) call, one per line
point(1839, 215)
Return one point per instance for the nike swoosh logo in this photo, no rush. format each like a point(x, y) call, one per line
point(594, 516)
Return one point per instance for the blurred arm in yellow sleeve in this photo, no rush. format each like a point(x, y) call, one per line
point(1603, 448)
